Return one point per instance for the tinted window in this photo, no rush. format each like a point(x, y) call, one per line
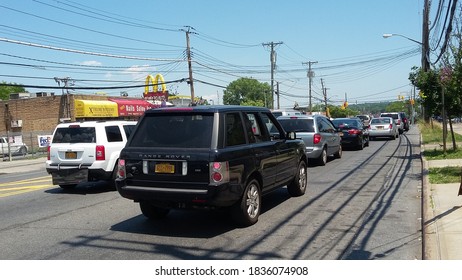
point(75, 135)
point(326, 126)
point(180, 130)
point(347, 123)
point(394, 116)
point(297, 125)
point(235, 134)
point(129, 129)
point(113, 133)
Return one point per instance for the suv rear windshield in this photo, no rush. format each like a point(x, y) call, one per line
point(75, 135)
point(393, 116)
point(182, 130)
point(297, 125)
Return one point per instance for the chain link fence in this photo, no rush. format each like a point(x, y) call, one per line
point(36, 144)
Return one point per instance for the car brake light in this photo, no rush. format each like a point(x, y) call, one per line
point(391, 126)
point(48, 152)
point(354, 131)
point(100, 152)
point(399, 122)
point(317, 138)
point(121, 169)
point(219, 173)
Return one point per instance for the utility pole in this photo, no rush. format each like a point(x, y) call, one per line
point(188, 53)
point(425, 48)
point(277, 93)
point(273, 64)
point(310, 75)
point(324, 92)
point(66, 82)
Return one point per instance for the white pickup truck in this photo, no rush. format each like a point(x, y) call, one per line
point(15, 148)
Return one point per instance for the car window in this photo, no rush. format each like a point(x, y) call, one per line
point(113, 133)
point(297, 125)
point(74, 134)
point(129, 129)
point(326, 126)
point(272, 129)
point(180, 130)
point(235, 134)
point(394, 116)
point(257, 131)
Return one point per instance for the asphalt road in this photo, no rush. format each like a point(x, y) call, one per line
point(366, 205)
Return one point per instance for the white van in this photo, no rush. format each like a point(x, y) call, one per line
point(286, 112)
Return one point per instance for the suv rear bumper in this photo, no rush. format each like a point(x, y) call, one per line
point(182, 196)
point(72, 175)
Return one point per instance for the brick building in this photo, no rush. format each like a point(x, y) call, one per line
point(26, 117)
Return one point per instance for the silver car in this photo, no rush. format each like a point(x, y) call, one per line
point(321, 137)
point(383, 127)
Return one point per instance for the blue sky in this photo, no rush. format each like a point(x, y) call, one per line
point(95, 42)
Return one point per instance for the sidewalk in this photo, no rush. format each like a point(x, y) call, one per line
point(442, 224)
point(22, 165)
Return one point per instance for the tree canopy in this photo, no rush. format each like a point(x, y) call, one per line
point(248, 92)
point(6, 89)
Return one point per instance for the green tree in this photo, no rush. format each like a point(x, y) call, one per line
point(248, 92)
point(6, 89)
point(428, 82)
point(397, 106)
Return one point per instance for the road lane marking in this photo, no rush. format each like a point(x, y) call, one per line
point(25, 186)
point(4, 192)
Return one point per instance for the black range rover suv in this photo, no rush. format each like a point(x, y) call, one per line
point(210, 157)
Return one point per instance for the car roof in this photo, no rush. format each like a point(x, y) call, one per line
point(207, 109)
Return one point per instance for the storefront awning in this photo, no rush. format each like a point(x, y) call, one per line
point(95, 109)
point(132, 107)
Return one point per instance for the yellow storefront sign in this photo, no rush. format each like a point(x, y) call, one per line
point(95, 109)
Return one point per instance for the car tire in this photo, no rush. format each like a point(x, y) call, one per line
point(361, 145)
point(247, 210)
point(22, 151)
point(322, 159)
point(339, 153)
point(67, 187)
point(153, 212)
point(111, 182)
point(298, 186)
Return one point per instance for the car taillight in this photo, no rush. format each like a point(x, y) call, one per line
point(317, 138)
point(100, 152)
point(354, 131)
point(219, 173)
point(48, 152)
point(399, 122)
point(391, 126)
point(121, 173)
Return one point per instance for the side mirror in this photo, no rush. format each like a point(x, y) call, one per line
point(291, 135)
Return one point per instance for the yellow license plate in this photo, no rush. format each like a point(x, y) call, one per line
point(165, 168)
point(71, 155)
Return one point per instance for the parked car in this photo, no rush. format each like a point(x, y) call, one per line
point(405, 121)
point(210, 157)
point(355, 133)
point(364, 118)
point(86, 151)
point(13, 147)
point(321, 137)
point(397, 118)
point(383, 127)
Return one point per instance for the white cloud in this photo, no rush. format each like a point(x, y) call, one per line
point(91, 63)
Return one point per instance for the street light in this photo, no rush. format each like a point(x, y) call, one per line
point(425, 57)
point(388, 35)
